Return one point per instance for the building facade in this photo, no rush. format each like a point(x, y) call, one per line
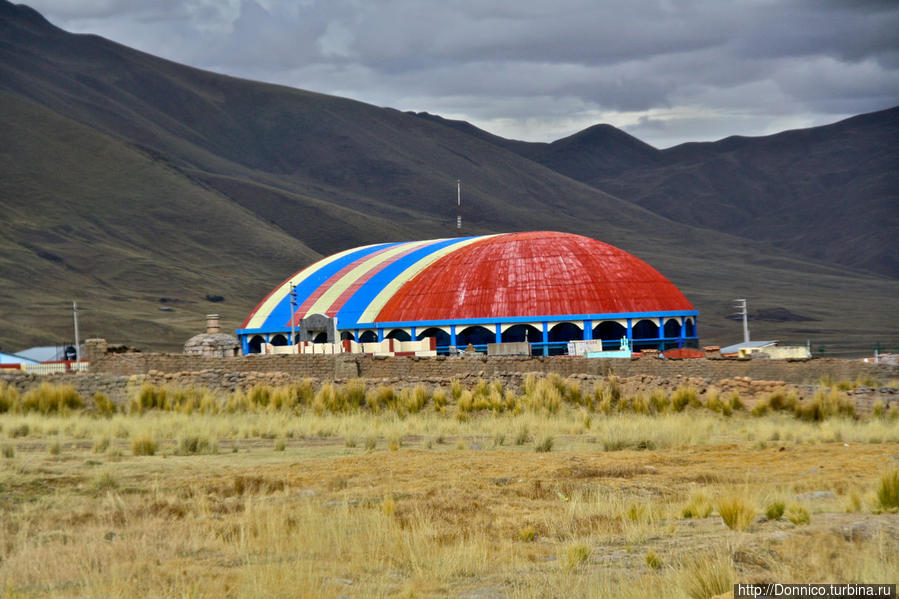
point(543, 287)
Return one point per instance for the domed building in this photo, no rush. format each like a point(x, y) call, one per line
point(543, 287)
point(213, 342)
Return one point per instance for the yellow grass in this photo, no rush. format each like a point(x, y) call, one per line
point(405, 500)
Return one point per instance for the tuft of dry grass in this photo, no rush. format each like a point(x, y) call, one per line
point(706, 576)
point(735, 512)
point(143, 445)
point(798, 514)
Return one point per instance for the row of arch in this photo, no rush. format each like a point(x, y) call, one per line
point(645, 330)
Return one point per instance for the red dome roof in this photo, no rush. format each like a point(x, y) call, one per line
point(529, 274)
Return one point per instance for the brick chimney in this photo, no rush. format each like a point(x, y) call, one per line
point(212, 324)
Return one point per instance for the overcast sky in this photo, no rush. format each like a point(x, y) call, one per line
point(666, 71)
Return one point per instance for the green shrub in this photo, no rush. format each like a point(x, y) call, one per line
point(653, 560)
point(798, 515)
point(735, 402)
point(544, 444)
point(105, 481)
point(195, 444)
point(9, 451)
point(280, 445)
point(104, 406)
point(21, 430)
point(684, 397)
point(439, 398)
point(775, 510)
point(888, 491)
point(522, 436)
point(9, 397)
point(825, 404)
point(575, 555)
point(527, 534)
point(394, 442)
point(546, 396)
point(354, 395)
point(101, 444)
point(51, 399)
point(699, 507)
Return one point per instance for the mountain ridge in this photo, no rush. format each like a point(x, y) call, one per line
point(767, 187)
point(133, 180)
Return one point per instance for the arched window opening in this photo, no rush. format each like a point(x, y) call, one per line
point(646, 329)
point(279, 339)
point(672, 329)
point(399, 335)
point(522, 332)
point(347, 336)
point(442, 336)
point(565, 331)
point(368, 337)
point(690, 329)
point(320, 338)
point(609, 330)
point(255, 344)
point(476, 335)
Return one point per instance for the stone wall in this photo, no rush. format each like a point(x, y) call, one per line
point(350, 366)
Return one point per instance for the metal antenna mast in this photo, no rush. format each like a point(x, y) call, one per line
point(458, 204)
point(77, 346)
point(740, 304)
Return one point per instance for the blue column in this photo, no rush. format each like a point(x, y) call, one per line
point(661, 333)
point(545, 338)
point(412, 332)
point(588, 330)
point(356, 335)
point(683, 331)
point(245, 344)
point(453, 335)
point(630, 332)
point(380, 334)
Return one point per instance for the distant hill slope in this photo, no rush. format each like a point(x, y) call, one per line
point(126, 180)
point(830, 193)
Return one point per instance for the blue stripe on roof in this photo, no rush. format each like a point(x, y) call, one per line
point(280, 314)
point(349, 314)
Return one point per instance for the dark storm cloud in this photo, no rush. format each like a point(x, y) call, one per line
point(666, 70)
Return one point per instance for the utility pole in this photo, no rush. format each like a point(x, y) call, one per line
point(77, 346)
point(458, 204)
point(293, 308)
point(740, 304)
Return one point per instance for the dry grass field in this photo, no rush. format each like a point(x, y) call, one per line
point(356, 491)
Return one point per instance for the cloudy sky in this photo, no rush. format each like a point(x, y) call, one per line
point(666, 71)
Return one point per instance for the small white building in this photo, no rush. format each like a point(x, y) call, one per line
point(768, 349)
